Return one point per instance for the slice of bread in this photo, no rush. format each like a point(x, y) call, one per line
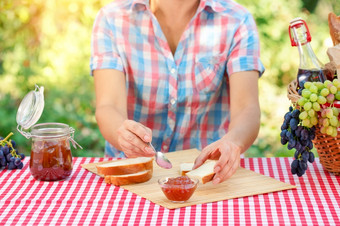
point(126, 179)
point(204, 173)
point(125, 166)
point(185, 167)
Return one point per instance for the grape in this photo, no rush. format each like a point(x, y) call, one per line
point(295, 163)
point(20, 166)
point(332, 89)
point(311, 113)
point(301, 101)
point(329, 130)
point(3, 162)
point(284, 126)
point(308, 105)
point(11, 166)
point(330, 98)
point(327, 82)
point(22, 156)
point(313, 89)
point(9, 156)
point(306, 122)
point(313, 97)
point(283, 140)
point(320, 85)
point(322, 100)
point(311, 157)
point(294, 123)
point(316, 106)
point(5, 149)
point(303, 115)
point(329, 113)
point(287, 116)
point(307, 85)
point(295, 113)
point(303, 165)
point(333, 121)
point(335, 111)
point(13, 143)
point(324, 92)
point(306, 93)
point(337, 95)
point(17, 161)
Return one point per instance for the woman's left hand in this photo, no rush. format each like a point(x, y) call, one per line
point(227, 155)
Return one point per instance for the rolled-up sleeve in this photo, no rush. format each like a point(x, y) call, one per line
point(104, 53)
point(244, 54)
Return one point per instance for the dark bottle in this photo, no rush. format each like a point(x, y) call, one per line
point(310, 68)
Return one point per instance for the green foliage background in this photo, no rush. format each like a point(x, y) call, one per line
point(48, 43)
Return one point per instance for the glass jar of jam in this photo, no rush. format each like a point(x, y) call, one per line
point(51, 157)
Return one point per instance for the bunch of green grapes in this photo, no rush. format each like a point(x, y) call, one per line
point(316, 106)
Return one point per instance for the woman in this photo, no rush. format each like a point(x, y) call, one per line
point(179, 74)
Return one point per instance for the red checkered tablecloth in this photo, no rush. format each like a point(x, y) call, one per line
point(84, 198)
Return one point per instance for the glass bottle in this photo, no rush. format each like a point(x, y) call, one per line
point(310, 68)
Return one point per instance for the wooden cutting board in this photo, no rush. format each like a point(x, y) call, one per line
point(243, 183)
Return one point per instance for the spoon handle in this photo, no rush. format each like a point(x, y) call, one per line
point(153, 148)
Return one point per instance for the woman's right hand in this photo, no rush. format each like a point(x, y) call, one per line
point(134, 138)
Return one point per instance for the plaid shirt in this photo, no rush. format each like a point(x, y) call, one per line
point(183, 98)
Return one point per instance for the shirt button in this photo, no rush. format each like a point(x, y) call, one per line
point(172, 101)
point(173, 70)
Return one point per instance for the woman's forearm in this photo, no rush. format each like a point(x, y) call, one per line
point(109, 119)
point(244, 128)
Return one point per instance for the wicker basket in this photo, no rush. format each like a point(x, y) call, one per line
point(328, 147)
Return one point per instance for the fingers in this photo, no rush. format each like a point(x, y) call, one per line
point(134, 139)
point(139, 130)
point(226, 166)
point(205, 154)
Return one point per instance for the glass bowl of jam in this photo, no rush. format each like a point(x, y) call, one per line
point(178, 189)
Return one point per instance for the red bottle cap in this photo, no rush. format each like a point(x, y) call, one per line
point(297, 23)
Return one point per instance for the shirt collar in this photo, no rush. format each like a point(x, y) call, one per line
point(140, 5)
point(209, 5)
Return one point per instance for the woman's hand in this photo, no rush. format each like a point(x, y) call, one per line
point(227, 155)
point(243, 128)
point(133, 139)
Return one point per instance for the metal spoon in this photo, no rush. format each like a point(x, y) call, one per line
point(161, 159)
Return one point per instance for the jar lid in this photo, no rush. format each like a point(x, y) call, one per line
point(31, 108)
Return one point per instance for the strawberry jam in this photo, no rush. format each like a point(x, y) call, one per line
point(51, 160)
point(178, 189)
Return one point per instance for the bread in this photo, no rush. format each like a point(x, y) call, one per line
point(185, 167)
point(334, 28)
point(125, 166)
point(204, 173)
point(126, 179)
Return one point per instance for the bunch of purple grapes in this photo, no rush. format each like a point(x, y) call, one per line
point(9, 156)
point(300, 138)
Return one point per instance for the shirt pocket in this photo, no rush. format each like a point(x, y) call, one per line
point(209, 72)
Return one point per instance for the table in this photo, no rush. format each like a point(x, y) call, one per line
point(84, 198)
